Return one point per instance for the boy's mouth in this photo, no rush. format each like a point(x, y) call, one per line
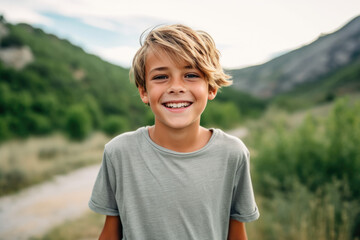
point(177, 104)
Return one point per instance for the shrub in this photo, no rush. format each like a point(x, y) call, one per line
point(114, 125)
point(38, 124)
point(78, 122)
point(94, 110)
point(11, 41)
point(316, 153)
point(221, 114)
point(4, 129)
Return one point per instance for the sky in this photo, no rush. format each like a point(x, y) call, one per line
point(246, 32)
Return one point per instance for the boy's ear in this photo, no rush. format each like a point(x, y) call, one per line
point(212, 93)
point(143, 95)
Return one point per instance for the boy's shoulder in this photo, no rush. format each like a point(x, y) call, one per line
point(230, 141)
point(124, 140)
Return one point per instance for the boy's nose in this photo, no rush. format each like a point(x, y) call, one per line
point(176, 86)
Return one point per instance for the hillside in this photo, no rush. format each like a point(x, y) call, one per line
point(316, 65)
point(60, 88)
point(48, 84)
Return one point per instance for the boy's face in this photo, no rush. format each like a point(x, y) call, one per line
point(176, 92)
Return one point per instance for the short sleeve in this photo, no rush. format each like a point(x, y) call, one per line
point(103, 195)
point(243, 206)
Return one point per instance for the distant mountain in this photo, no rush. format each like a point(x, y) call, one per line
point(331, 54)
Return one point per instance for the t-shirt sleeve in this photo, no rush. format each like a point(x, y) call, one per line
point(103, 195)
point(243, 206)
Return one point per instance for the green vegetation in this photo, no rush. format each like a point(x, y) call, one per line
point(64, 89)
point(115, 124)
point(308, 176)
point(78, 123)
point(232, 108)
point(67, 90)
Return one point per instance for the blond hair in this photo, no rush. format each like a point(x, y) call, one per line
point(182, 43)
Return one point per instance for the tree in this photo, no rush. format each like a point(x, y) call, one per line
point(78, 122)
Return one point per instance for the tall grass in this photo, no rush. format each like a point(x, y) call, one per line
point(303, 215)
point(27, 162)
point(307, 175)
point(86, 227)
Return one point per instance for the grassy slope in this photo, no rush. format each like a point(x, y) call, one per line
point(63, 75)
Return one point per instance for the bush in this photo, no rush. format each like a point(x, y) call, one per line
point(114, 125)
point(4, 129)
point(17, 177)
point(94, 110)
point(78, 122)
point(221, 114)
point(314, 154)
point(11, 41)
point(301, 214)
point(38, 124)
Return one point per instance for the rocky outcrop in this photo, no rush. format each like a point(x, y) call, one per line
point(16, 57)
point(309, 63)
point(3, 31)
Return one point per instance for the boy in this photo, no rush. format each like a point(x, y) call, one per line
point(176, 179)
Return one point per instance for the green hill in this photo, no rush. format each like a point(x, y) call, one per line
point(47, 84)
point(63, 89)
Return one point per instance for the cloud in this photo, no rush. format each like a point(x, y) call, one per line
point(121, 55)
point(247, 32)
point(100, 23)
point(13, 13)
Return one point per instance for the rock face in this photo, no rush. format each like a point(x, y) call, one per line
point(16, 57)
point(3, 31)
point(306, 64)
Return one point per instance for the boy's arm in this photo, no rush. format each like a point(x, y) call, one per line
point(237, 230)
point(112, 229)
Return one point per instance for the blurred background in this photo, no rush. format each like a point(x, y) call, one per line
point(295, 102)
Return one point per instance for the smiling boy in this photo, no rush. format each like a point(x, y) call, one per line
point(175, 179)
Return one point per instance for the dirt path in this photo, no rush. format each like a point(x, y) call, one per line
point(36, 210)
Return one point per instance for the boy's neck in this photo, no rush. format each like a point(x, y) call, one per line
point(189, 139)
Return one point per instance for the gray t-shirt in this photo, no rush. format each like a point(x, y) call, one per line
point(163, 194)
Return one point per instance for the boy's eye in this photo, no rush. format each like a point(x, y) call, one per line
point(192, 75)
point(159, 77)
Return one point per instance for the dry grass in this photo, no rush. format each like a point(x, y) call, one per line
point(301, 216)
point(87, 227)
point(30, 161)
point(315, 222)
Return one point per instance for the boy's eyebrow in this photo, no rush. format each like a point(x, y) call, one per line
point(158, 69)
point(166, 68)
point(189, 67)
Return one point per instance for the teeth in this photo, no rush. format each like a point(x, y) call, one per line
point(177, 105)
